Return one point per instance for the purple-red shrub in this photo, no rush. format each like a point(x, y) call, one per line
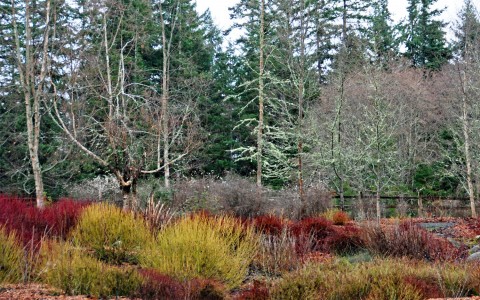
point(159, 286)
point(31, 223)
point(407, 239)
point(257, 291)
point(344, 240)
point(269, 224)
point(312, 231)
point(62, 216)
point(319, 227)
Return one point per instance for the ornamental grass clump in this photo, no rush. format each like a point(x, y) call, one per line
point(72, 270)
point(203, 246)
point(113, 235)
point(380, 279)
point(11, 258)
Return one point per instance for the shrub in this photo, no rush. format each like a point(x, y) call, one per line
point(344, 240)
point(314, 229)
point(68, 268)
point(114, 236)
point(62, 216)
point(257, 291)
point(319, 227)
point(408, 240)
point(427, 287)
point(337, 217)
point(317, 200)
point(340, 218)
point(234, 194)
point(279, 254)
point(159, 286)
point(201, 246)
point(32, 224)
point(239, 196)
point(269, 224)
point(205, 289)
point(11, 258)
point(455, 280)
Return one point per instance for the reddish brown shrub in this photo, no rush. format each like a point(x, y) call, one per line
point(428, 288)
point(269, 224)
point(340, 218)
point(344, 240)
point(205, 289)
point(159, 286)
point(317, 226)
point(408, 240)
point(257, 291)
point(312, 231)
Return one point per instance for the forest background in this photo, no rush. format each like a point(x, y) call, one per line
point(98, 96)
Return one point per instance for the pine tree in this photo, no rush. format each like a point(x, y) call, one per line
point(424, 36)
point(467, 31)
point(381, 34)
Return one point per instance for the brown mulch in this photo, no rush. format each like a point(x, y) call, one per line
point(36, 292)
point(471, 298)
point(464, 228)
point(33, 292)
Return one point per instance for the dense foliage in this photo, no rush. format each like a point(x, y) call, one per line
point(144, 91)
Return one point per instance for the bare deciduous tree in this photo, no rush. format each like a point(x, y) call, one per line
point(32, 63)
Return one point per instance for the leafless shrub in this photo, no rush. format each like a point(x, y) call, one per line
point(282, 253)
point(99, 188)
point(241, 197)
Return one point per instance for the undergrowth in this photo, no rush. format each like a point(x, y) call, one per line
point(380, 279)
point(75, 272)
point(11, 258)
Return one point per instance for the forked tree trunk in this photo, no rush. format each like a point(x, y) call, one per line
point(32, 88)
point(129, 194)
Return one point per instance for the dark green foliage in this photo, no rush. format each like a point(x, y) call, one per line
point(467, 32)
point(424, 36)
point(382, 34)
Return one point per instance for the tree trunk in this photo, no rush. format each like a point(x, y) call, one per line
point(342, 197)
point(260, 96)
point(129, 194)
point(420, 206)
point(468, 162)
point(379, 209)
point(165, 99)
point(32, 87)
point(468, 158)
point(37, 174)
point(301, 92)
